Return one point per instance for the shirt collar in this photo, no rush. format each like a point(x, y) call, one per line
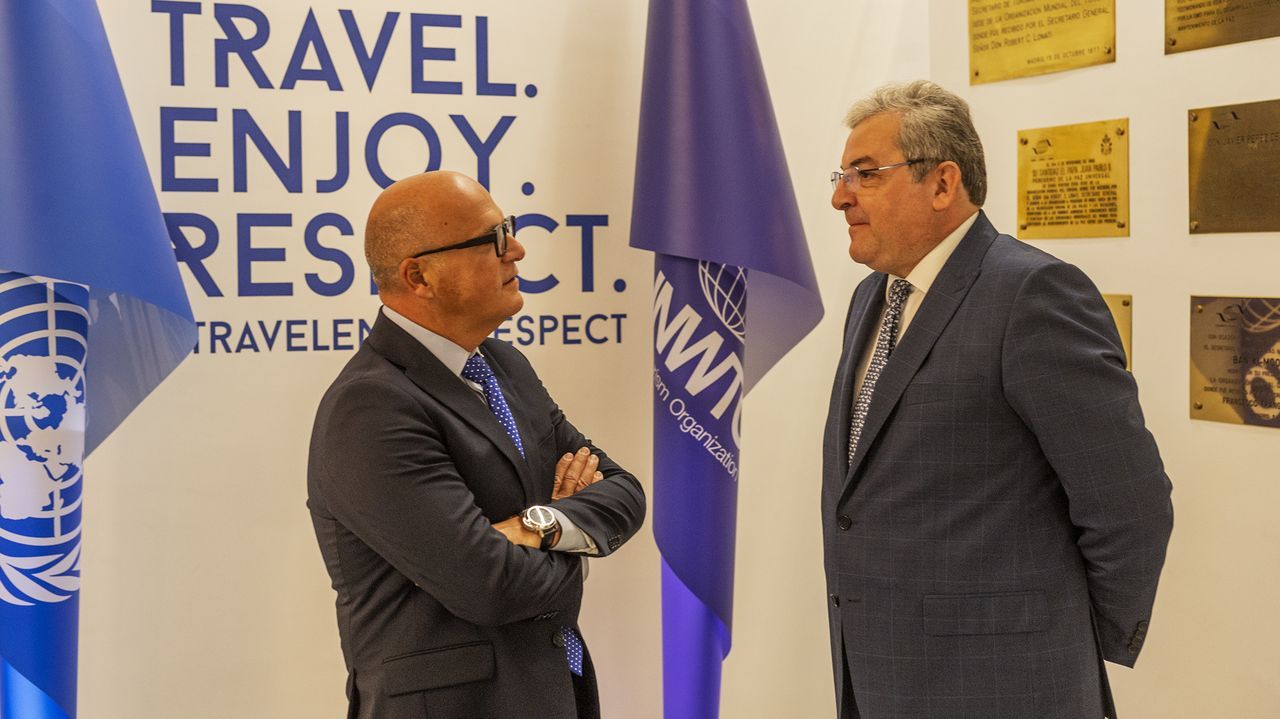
point(926, 270)
point(453, 356)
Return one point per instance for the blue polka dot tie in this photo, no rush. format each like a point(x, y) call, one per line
point(885, 342)
point(478, 371)
point(572, 649)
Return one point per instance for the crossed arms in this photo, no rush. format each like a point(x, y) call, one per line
point(388, 473)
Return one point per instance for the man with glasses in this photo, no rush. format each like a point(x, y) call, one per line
point(995, 513)
point(453, 501)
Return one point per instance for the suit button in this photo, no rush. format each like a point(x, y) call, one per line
point(557, 639)
point(835, 600)
point(844, 522)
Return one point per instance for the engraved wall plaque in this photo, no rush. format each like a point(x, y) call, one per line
point(1233, 171)
point(1196, 24)
point(1073, 181)
point(1121, 307)
point(1235, 360)
point(1020, 38)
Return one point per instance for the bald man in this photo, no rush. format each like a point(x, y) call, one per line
point(453, 502)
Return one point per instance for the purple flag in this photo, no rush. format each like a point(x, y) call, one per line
point(734, 291)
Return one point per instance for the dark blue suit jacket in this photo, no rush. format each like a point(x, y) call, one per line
point(438, 613)
point(1004, 522)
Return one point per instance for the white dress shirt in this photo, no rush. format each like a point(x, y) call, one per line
point(921, 279)
point(572, 538)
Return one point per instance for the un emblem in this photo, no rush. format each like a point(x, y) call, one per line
point(725, 289)
point(43, 330)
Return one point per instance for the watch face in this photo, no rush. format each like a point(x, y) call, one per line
point(539, 519)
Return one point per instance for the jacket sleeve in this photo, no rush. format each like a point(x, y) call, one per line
point(1064, 374)
point(388, 477)
point(609, 511)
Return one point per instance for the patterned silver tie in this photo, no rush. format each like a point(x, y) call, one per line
point(885, 342)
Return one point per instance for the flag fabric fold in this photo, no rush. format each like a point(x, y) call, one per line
point(93, 316)
point(77, 202)
point(734, 291)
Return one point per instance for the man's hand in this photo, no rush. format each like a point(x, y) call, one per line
point(575, 472)
point(514, 530)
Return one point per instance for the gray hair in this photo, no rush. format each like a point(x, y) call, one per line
point(933, 124)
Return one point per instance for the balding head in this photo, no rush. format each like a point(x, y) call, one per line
point(416, 214)
point(467, 289)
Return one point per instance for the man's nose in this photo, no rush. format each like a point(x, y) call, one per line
point(515, 250)
point(843, 197)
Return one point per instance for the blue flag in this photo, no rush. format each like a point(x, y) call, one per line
point(93, 315)
point(734, 291)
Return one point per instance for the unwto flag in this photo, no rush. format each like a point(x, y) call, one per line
point(734, 291)
point(93, 316)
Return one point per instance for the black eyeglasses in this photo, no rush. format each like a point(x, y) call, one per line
point(498, 236)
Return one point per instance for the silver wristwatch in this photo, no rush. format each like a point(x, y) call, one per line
point(542, 520)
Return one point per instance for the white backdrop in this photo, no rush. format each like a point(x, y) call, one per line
point(204, 594)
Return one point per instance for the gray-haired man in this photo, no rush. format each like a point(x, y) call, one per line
point(995, 513)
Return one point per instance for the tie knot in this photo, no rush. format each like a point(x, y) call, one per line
point(898, 292)
point(476, 369)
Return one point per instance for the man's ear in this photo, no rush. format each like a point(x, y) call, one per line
point(411, 275)
point(948, 187)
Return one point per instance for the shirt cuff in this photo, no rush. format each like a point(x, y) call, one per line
point(572, 538)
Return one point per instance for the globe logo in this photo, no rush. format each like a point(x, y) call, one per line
point(1260, 314)
point(43, 326)
point(725, 289)
point(1262, 382)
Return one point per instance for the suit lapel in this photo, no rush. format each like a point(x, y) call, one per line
point(939, 306)
point(432, 377)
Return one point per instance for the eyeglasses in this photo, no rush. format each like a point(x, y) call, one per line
point(857, 177)
point(498, 236)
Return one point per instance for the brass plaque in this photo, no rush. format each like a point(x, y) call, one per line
point(1020, 38)
point(1121, 307)
point(1235, 360)
point(1196, 24)
point(1233, 170)
point(1073, 181)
